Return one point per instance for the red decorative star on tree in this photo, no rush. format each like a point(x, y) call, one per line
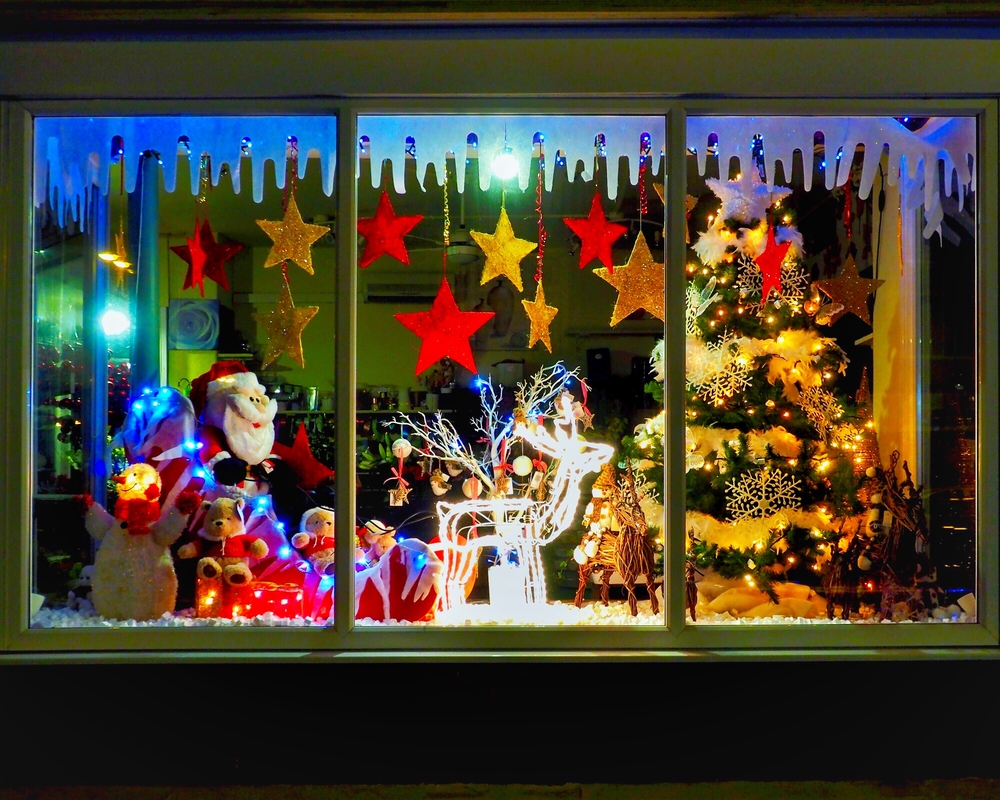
point(596, 234)
point(770, 265)
point(205, 257)
point(384, 233)
point(310, 471)
point(445, 330)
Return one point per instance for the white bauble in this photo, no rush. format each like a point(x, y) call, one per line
point(522, 466)
point(401, 448)
point(472, 488)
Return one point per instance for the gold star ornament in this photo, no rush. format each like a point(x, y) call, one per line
point(504, 252)
point(639, 283)
point(541, 317)
point(293, 239)
point(284, 328)
point(851, 290)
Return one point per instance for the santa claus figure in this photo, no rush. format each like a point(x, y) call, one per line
point(237, 430)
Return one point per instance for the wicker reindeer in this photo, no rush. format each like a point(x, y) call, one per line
point(633, 550)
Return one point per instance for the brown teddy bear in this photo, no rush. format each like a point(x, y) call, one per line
point(315, 539)
point(377, 539)
point(226, 549)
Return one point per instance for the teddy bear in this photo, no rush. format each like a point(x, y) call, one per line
point(377, 539)
point(80, 597)
point(315, 539)
point(133, 575)
point(224, 547)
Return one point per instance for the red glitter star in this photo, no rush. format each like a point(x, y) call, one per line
point(770, 265)
point(205, 257)
point(384, 233)
point(445, 330)
point(309, 470)
point(596, 234)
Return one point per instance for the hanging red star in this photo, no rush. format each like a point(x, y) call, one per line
point(445, 330)
point(596, 234)
point(384, 233)
point(770, 265)
point(211, 261)
point(309, 470)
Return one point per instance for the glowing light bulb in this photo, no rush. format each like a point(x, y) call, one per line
point(114, 322)
point(505, 165)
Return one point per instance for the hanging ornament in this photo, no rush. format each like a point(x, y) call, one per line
point(400, 495)
point(284, 328)
point(522, 466)
point(439, 483)
point(384, 233)
point(401, 448)
point(769, 263)
point(851, 290)
point(212, 262)
point(541, 317)
point(596, 234)
point(310, 471)
point(293, 239)
point(504, 252)
point(472, 488)
point(639, 283)
point(445, 330)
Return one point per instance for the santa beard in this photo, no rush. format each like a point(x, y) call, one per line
point(249, 428)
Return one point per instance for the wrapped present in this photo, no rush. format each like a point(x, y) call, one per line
point(215, 598)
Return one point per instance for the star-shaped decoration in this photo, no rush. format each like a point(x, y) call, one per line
point(504, 252)
point(445, 330)
point(284, 328)
point(293, 239)
point(747, 197)
point(582, 413)
point(639, 283)
point(400, 495)
point(596, 234)
point(216, 254)
point(770, 265)
point(689, 203)
point(541, 317)
point(384, 233)
point(851, 290)
point(310, 471)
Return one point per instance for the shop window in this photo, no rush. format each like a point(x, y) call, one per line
point(831, 370)
point(509, 336)
point(184, 290)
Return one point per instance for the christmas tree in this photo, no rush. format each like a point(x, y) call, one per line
point(776, 450)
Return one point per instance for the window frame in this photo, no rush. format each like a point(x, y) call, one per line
point(344, 640)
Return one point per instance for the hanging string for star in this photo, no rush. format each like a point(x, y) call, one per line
point(447, 222)
point(645, 147)
point(540, 314)
point(542, 235)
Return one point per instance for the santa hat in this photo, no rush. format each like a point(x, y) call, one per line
point(199, 386)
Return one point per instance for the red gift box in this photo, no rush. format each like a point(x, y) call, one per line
point(215, 598)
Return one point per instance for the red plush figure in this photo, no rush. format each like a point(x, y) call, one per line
point(404, 585)
point(315, 539)
point(237, 418)
point(225, 547)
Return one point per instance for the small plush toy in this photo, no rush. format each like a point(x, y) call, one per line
point(315, 539)
point(377, 539)
point(80, 597)
point(133, 576)
point(224, 546)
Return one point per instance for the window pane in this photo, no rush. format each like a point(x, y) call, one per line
point(830, 366)
point(184, 278)
point(510, 300)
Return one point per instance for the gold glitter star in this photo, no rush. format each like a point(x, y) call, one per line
point(504, 252)
point(541, 317)
point(639, 283)
point(851, 290)
point(293, 239)
point(284, 328)
point(399, 495)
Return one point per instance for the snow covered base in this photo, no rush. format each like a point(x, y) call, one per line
point(473, 614)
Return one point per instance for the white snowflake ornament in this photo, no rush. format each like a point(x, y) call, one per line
point(761, 493)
